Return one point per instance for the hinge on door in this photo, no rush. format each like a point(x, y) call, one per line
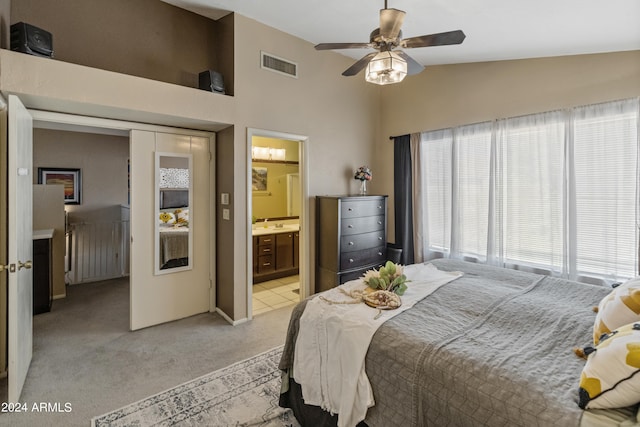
point(11, 268)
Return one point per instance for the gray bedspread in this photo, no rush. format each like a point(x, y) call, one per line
point(493, 348)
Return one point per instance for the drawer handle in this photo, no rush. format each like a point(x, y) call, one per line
point(266, 250)
point(379, 237)
point(349, 209)
point(349, 226)
point(350, 243)
point(266, 264)
point(379, 253)
point(379, 222)
point(350, 259)
point(379, 207)
point(266, 240)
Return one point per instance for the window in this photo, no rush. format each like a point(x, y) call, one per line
point(555, 192)
point(437, 153)
point(605, 144)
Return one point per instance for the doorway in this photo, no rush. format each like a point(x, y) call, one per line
point(277, 215)
point(91, 226)
point(144, 140)
point(150, 293)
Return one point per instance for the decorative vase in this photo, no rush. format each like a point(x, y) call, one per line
point(363, 187)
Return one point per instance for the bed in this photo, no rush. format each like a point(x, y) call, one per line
point(493, 347)
point(174, 228)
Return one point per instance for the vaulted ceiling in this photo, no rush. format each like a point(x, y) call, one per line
point(495, 29)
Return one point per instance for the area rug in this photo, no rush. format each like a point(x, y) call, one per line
point(243, 394)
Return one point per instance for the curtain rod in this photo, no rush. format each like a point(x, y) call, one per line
point(394, 137)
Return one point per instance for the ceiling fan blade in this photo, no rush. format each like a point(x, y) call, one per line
point(330, 46)
point(413, 67)
point(391, 22)
point(440, 39)
point(359, 66)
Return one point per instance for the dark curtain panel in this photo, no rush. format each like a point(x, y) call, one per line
point(402, 193)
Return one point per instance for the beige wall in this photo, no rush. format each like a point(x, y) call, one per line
point(102, 160)
point(337, 114)
point(126, 36)
point(225, 241)
point(450, 95)
point(5, 13)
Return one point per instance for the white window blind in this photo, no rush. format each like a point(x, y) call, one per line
point(605, 144)
point(529, 190)
point(555, 192)
point(437, 156)
point(472, 161)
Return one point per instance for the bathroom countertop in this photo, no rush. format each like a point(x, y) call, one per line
point(259, 230)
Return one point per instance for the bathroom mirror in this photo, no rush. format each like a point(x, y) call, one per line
point(275, 178)
point(173, 231)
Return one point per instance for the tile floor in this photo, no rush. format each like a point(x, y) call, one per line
point(276, 293)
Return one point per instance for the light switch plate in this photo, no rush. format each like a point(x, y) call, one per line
point(224, 198)
point(225, 214)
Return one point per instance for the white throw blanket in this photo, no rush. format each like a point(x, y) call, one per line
point(334, 338)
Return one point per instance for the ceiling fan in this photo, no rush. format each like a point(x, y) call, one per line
point(389, 65)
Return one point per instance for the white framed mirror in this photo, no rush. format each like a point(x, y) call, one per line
point(173, 201)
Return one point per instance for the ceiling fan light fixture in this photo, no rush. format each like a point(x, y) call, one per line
point(385, 68)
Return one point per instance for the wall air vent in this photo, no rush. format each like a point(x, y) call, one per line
point(278, 65)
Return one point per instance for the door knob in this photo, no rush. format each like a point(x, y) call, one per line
point(26, 264)
point(11, 268)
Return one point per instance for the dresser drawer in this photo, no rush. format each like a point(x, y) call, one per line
point(362, 224)
point(344, 277)
point(349, 260)
point(358, 242)
point(362, 208)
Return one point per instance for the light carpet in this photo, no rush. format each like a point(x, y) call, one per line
point(243, 394)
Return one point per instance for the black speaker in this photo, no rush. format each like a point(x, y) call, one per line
point(26, 38)
point(211, 81)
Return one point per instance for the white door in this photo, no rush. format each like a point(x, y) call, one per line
point(20, 245)
point(158, 298)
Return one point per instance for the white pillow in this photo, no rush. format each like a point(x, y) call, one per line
point(620, 307)
point(611, 376)
point(182, 215)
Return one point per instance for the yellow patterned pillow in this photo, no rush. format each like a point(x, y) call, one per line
point(610, 377)
point(167, 218)
point(182, 216)
point(620, 307)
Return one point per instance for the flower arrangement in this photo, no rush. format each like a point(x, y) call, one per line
point(388, 278)
point(363, 173)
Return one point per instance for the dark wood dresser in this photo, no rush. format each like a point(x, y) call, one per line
point(351, 236)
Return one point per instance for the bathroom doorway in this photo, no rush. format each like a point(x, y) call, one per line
point(276, 210)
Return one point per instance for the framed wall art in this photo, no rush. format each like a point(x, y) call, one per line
point(259, 178)
point(69, 178)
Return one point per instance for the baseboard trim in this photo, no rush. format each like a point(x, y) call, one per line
point(229, 319)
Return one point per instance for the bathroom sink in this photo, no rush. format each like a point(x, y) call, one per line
point(273, 229)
